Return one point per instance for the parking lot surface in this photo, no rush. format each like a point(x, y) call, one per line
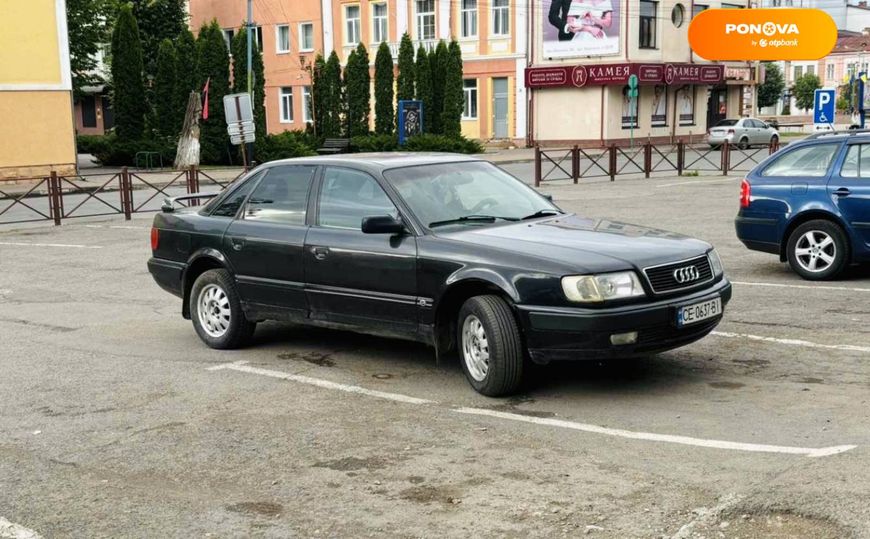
point(118, 422)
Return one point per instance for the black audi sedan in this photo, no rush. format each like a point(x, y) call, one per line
point(443, 249)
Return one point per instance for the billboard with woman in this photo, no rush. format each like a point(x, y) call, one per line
point(581, 28)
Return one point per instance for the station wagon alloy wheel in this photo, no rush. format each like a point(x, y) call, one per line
point(475, 348)
point(214, 311)
point(815, 251)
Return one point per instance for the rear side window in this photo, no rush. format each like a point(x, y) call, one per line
point(230, 204)
point(282, 196)
point(809, 161)
point(857, 162)
point(347, 196)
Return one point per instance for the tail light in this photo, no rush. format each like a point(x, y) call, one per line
point(155, 239)
point(745, 193)
point(730, 131)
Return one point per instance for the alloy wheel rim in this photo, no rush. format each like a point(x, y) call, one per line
point(475, 348)
point(815, 251)
point(214, 311)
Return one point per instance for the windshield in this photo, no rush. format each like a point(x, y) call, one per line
point(726, 123)
point(470, 193)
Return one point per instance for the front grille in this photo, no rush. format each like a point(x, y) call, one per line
point(662, 279)
point(667, 337)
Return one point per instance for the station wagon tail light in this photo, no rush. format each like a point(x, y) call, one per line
point(155, 239)
point(598, 288)
point(745, 193)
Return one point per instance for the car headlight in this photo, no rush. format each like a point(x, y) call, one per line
point(598, 288)
point(715, 263)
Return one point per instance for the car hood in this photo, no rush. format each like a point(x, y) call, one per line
point(586, 244)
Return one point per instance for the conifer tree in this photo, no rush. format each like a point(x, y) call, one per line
point(357, 92)
point(407, 69)
point(128, 96)
point(451, 112)
point(214, 67)
point(423, 86)
point(164, 90)
point(384, 109)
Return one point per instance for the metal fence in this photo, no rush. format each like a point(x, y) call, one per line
point(59, 198)
point(648, 159)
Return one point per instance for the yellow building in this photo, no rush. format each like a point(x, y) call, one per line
point(37, 134)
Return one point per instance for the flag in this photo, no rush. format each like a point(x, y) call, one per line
point(205, 99)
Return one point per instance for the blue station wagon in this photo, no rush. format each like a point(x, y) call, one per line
point(810, 204)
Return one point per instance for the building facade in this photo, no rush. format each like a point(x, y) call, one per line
point(35, 90)
point(583, 56)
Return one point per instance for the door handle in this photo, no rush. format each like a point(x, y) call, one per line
point(238, 244)
point(842, 192)
point(320, 253)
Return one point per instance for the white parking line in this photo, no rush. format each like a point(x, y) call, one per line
point(792, 342)
point(802, 286)
point(63, 245)
point(692, 182)
point(10, 530)
point(669, 438)
point(326, 384)
point(119, 227)
point(242, 366)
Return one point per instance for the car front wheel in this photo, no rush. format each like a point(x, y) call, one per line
point(490, 345)
point(216, 311)
point(818, 250)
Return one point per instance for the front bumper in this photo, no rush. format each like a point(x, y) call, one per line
point(563, 333)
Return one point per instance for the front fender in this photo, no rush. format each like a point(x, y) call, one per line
point(487, 275)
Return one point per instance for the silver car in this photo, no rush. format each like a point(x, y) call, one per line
point(742, 132)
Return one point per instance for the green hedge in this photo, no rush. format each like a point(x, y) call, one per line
point(420, 143)
point(92, 144)
point(286, 145)
point(116, 153)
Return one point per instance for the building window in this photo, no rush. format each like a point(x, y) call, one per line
point(469, 112)
point(501, 18)
point(469, 18)
point(647, 33)
point(286, 105)
point(379, 23)
point(697, 9)
point(798, 72)
point(732, 6)
point(306, 36)
point(351, 25)
point(258, 33)
point(229, 33)
point(282, 38)
point(425, 19)
point(306, 104)
point(830, 71)
point(811, 70)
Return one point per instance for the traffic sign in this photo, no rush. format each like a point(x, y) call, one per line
point(823, 106)
point(241, 128)
point(632, 81)
point(237, 108)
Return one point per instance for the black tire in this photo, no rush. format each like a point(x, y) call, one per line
point(239, 329)
point(774, 140)
point(743, 144)
point(838, 250)
point(504, 344)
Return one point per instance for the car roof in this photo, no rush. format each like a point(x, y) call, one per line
point(379, 160)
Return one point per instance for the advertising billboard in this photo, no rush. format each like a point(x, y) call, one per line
point(581, 28)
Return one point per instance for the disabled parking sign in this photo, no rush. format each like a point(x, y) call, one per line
point(823, 107)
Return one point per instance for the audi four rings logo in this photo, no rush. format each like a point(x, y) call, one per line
point(686, 274)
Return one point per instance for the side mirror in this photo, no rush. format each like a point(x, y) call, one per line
point(382, 224)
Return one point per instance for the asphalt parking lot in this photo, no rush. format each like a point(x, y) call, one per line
point(118, 422)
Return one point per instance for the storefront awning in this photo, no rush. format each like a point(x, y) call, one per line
point(617, 74)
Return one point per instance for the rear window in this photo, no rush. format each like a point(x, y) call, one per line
point(726, 123)
point(810, 161)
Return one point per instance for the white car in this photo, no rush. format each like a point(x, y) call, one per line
point(742, 132)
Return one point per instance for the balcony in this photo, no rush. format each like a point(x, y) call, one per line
point(428, 44)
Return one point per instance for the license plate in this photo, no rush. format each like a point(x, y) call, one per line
point(690, 314)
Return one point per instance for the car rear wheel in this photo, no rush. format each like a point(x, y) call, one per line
point(818, 250)
point(743, 144)
point(217, 312)
point(490, 346)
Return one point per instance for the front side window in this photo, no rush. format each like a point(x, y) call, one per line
point(469, 18)
point(440, 195)
point(811, 161)
point(501, 18)
point(282, 196)
point(379, 22)
point(228, 206)
point(351, 19)
point(425, 19)
point(470, 88)
point(647, 31)
point(857, 163)
point(348, 196)
point(306, 36)
point(286, 104)
point(282, 39)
